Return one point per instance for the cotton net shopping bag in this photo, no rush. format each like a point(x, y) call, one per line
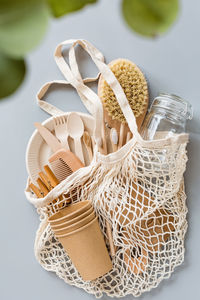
point(139, 190)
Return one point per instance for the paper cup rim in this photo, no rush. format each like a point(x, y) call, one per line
point(72, 225)
point(79, 229)
point(74, 219)
point(71, 214)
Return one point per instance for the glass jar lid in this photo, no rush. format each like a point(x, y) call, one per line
point(173, 104)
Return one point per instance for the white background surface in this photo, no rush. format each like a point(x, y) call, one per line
point(171, 64)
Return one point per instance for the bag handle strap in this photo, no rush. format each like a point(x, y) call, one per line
point(48, 107)
point(89, 98)
point(54, 111)
point(87, 95)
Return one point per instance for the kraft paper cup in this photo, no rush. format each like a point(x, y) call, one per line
point(70, 212)
point(72, 221)
point(87, 250)
point(137, 264)
point(73, 227)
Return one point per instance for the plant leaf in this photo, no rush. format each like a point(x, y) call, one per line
point(23, 24)
point(150, 17)
point(62, 7)
point(12, 73)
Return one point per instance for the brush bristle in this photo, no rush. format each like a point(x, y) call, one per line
point(134, 85)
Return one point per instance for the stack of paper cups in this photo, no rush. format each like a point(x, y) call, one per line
point(77, 229)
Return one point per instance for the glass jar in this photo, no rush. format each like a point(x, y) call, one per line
point(167, 116)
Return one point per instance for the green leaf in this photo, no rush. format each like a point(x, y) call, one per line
point(62, 7)
point(23, 24)
point(12, 73)
point(150, 17)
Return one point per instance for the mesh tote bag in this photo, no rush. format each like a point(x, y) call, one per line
point(138, 189)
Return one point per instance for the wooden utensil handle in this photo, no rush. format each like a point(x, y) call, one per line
point(35, 189)
point(78, 149)
point(52, 178)
point(43, 187)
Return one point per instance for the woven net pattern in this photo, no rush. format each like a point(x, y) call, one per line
point(142, 196)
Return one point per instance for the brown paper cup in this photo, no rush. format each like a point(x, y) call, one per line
point(72, 221)
point(77, 225)
point(140, 202)
point(70, 212)
point(87, 250)
point(136, 264)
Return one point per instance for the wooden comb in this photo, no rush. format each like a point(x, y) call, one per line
point(63, 161)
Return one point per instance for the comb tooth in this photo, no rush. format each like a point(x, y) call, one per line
point(60, 169)
point(69, 158)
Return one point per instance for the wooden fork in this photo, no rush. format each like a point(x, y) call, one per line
point(60, 126)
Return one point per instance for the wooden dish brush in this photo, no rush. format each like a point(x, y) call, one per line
point(135, 87)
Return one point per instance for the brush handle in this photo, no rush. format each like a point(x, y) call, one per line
point(128, 137)
point(121, 135)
